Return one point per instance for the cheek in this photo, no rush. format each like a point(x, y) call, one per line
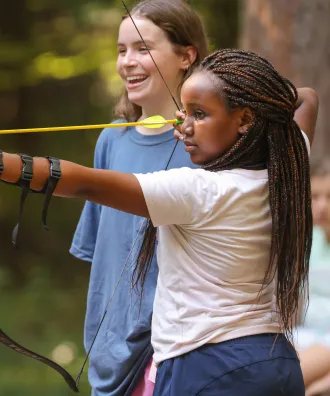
point(147, 64)
point(119, 68)
point(216, 144)
point(227, 136)
point(167, 65)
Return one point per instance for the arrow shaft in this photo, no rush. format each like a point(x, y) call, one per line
point(81, 127)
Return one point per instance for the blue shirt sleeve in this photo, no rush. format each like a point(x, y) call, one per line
point(84, 239)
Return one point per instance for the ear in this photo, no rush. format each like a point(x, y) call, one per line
point(189, 56)
point(245, 120)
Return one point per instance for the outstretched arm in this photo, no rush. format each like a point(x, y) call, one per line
point(118, 190)
point(306, 112)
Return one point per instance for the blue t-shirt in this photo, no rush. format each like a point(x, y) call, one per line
point(104, 236)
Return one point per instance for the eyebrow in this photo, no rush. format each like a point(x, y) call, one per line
point(196, 104)
point(138, 42)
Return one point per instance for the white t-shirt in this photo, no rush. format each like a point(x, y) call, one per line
point(213, 250)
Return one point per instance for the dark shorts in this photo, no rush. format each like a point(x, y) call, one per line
point(259, 365)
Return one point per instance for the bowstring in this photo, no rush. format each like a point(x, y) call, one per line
point(144, 221)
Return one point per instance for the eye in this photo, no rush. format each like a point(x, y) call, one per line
point(121, 50)
point(199, 115)
point(143, 49)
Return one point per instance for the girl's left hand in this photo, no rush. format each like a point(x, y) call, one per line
point(180, 115)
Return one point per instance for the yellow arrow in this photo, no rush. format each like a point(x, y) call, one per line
point(150, 122)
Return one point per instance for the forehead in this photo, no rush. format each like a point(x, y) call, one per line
point(200, 87)
point(149, 31)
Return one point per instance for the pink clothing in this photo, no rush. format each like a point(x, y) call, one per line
point(147, 383)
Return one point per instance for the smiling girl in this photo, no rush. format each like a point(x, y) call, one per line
point(176, 40)
point(234, 236)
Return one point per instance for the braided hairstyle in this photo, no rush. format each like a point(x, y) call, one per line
point(275, 139)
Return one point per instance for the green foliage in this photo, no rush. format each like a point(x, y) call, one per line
point(42, 318)
point(57, 67)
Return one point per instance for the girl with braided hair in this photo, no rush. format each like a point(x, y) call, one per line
point(234, 236)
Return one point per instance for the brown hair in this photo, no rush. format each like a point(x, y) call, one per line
point(275, 139)
point(182, 27)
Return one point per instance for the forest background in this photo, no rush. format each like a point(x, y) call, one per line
point(57, 67)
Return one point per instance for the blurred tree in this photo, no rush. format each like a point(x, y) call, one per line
point(294, 35)
point(220, 18)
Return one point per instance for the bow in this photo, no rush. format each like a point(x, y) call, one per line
point(7, 341)
point(4, 339)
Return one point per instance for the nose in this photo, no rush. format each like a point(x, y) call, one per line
point(129, 60)
point(187, 128)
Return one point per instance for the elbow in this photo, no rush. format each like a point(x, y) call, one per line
point(312, 97)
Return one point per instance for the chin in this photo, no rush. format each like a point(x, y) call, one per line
point(322, 222)
point(139, 99)
point(198, 161)
point(135, 98)
point(201, 160)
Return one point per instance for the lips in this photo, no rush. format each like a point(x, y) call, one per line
point(187, 143)
point(136, 79)
point(189, 147)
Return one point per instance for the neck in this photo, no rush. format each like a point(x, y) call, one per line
point(166, 109)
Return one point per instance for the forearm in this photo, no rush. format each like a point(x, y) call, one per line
point(119, 190)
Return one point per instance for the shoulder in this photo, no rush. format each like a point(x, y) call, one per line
point(202, 182)
point(107, 138)
point(222, 178)
point(186, 174)
point(109, 134)
point(189, 179)
point(182, 179)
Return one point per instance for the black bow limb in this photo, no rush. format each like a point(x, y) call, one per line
point(4, 339)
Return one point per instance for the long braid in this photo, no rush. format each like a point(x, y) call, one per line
point(251, 81)
point(274, 139)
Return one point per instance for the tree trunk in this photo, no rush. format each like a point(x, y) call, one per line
point(294, 35)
